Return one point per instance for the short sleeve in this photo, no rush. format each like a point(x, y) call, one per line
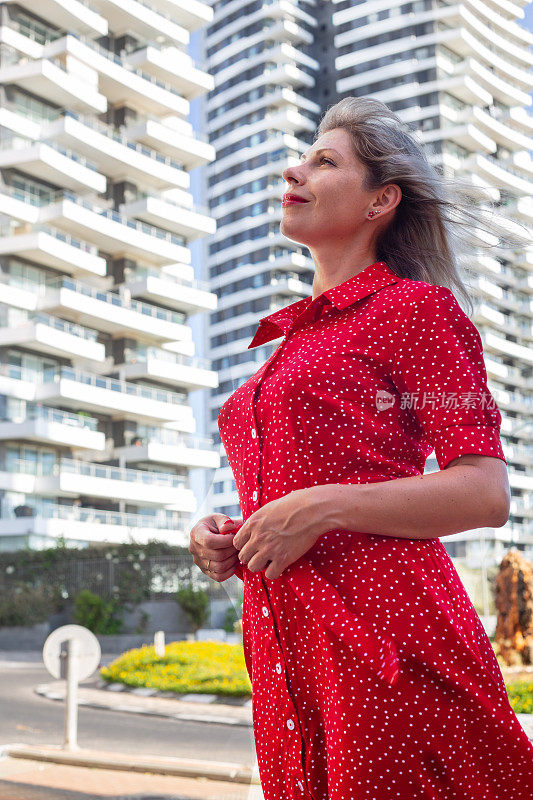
point(439, 370)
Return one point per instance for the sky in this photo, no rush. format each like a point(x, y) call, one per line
point(528, 21)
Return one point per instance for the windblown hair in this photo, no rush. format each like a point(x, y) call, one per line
point(437, 222)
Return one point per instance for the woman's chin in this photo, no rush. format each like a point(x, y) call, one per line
point(296, 233)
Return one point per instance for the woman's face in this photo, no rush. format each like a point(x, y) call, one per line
point(330, 178)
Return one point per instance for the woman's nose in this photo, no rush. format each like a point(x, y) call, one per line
point(291, 174)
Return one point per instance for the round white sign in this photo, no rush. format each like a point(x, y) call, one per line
point(89, 651)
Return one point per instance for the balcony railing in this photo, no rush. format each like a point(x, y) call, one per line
point(121, 63)
point(15, 143)
point(196, 210)
point(34, 411)
point(36, 199)
point(142, 354)
point(114, 385)
point(90, 469)
point(145, 435)
point(141, 274)
point(161, 520)
point(117, 300)
point(10, 230)
point(72, 328)
point(44, 115)
point(203, 137)
point(55, 374)
point(35, 31)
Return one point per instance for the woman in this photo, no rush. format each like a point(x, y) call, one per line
point(372, 675)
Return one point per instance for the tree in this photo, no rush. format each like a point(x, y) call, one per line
point(195, 603)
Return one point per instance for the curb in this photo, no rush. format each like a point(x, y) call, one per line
point(158, 765)
point(212, 712)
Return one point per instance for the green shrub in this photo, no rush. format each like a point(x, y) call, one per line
point(231, 618)
point(195, 603)
point(25, 605)
point(98, 615)
point(196, 667)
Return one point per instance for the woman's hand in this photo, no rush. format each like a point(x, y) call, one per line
point(278, 533)
point(211, 545)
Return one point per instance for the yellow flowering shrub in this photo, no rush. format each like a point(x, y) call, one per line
point(187, 667)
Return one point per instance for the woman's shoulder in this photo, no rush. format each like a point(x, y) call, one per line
point(411, 294)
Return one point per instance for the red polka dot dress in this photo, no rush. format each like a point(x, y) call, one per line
point(372, 675)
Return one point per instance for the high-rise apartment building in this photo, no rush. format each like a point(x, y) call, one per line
point(459, 74)
point(97, 437)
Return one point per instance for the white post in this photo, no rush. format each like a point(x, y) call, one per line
point(159, 643)
point(71, 701)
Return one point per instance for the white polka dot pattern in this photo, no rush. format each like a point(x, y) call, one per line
point(372, 675)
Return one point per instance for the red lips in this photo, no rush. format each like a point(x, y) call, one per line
point(292, 198)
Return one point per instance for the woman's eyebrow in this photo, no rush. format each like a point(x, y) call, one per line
point(321, 150)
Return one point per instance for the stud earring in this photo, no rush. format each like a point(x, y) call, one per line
point(371, 213)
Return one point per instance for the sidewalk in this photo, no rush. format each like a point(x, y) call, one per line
point(30, 778)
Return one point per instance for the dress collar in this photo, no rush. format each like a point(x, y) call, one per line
point(369, 280)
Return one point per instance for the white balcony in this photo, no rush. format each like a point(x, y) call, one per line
point(70, 478)
point(169, 447)
point(113, 313)
point(146, 20)
point(503, 90)
point(50, 247)
point(284, 29)
point(504, 134)
point(75, 15)
point(158, 287)
point(468, 136)
point(53, 336)
point(84, 525)
point(52, 164)
point(492, 170)
point(172, 369)
point(77, 390)
point(52, 426)
point(117, 80)
point(113, 232)
point(174, 66)
point(174, 141)
point(523, 210)
point(171, 216)
point(50, 80)
point(114, 153)
point(192, 14)
point(503, 347)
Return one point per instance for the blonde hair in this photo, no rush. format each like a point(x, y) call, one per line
point(436, 220)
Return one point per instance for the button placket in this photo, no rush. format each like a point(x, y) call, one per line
point(254, 428)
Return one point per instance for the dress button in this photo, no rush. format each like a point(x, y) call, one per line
point(290, 724)
point(300, 785)
point(254, 433)
point(265, 611)
point(254, 495)
point(278, 668)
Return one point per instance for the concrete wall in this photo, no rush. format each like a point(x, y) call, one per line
point(165, 615)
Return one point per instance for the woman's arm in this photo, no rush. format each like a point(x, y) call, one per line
point(472, 491)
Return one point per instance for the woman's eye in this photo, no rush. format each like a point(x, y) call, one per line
point(326, 159)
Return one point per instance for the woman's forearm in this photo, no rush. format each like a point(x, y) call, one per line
point(419, 507)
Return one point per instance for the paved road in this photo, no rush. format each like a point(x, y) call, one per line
point(31, 719)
